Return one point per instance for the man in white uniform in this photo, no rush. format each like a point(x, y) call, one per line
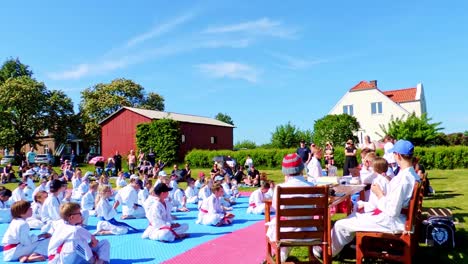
point(387, 217)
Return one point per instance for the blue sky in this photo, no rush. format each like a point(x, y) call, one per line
point(264, 63)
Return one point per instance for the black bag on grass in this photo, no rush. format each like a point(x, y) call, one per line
point(439, 231)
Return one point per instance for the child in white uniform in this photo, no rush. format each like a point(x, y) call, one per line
point(71, 243)
point(314, 169)
point(107, 225)
point(88, 200)
point(35, 221)
point(205, 191)
point(128, 197)
point(256, 199)
point(161, 227)
point(18, 244)
point(18, 193)
point(5, 212)
point(380, 167)
point(191, 192)
point(120, 182)
point(211, 212)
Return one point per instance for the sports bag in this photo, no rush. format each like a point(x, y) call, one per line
point(439, 231)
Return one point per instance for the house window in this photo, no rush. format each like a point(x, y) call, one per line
point(348, 109)
point(183, 138)
point(376, 108)
point(213, 140)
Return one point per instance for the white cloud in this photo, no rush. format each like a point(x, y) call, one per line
point(295, 63)
point(241, 43)
point(159, 30)
point(233, 70)
point(263, 26)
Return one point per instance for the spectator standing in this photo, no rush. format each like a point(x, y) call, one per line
point(118, 161)
point(368, 144)
point(73, 159)
point(151, 157)
point(30, 157)
point(304, 152)
point(350, 157)
point(131, 162)
point(248, 162)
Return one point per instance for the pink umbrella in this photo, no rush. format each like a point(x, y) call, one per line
point(96, 159)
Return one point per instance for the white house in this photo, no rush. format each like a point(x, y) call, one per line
point(373, 107)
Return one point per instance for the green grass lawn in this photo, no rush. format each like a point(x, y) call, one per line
point(450, 187)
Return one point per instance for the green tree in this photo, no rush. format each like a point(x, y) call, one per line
point(418, 130)
point(27, 109)
point(245, 144)
point(13, 68)
point(335, 128)
point(286, 136)
point(101, 100)
point(162, 136)
point(224, 118)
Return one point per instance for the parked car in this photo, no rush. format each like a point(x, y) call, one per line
point(7, 159)
point(44, 159)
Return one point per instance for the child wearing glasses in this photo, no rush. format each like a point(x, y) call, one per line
point(71, 243)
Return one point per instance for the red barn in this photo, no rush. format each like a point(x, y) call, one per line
point(118, 131)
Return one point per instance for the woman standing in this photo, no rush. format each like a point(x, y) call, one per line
point(368, 144)
point(350, 157)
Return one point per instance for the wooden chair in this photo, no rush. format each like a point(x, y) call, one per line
point(304, 208)
point(393, 244)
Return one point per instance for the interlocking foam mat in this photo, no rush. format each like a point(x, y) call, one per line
point(131, 248)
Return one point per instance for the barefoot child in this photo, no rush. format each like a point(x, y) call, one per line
point(211, 212)
point(71, 243)
point(256, 199)
point(18, 244)
point(107, 225)
point(161, 226)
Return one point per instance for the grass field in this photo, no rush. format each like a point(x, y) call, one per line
point(450, 187)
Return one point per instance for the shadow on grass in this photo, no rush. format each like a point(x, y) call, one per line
point(442, 195)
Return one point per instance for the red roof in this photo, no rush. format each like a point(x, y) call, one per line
point(363, 85)
point(402, 95)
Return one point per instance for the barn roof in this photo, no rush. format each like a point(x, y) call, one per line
point(153, 114)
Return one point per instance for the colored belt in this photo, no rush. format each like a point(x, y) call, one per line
point(253, 205)
point(9, 246)
point(59, 249)
point(203, 211)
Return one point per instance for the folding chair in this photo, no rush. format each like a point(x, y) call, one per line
point(302, 219)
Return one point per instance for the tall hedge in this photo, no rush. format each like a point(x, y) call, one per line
point(431, 157)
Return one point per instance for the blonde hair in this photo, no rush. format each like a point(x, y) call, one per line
point(68, 209)
point(103, 188)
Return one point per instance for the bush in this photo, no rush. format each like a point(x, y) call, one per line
point(430, 157)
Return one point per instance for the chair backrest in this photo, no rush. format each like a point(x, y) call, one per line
point(304, 209)
point(413, 208)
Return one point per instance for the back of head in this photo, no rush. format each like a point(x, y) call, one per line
point(292, 165)
point(19, 208)
point(380, 165)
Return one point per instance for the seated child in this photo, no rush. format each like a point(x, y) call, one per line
point(179, 201)
point(120, 182)
point(314, 169)
point(144, 191)
point(256, 199)
point(5, 211)
point(228, 197)
point(234, 188)
point(271, 191)
point(161, 226)
point(35, 221)
point(107, 225)
point(205, 191)
point(18, 193)
point(88, 200)
point(211, 212)
point(191, 192)
point(18, 244)
point(71, 243)
point(128, 198)
point(380, 167)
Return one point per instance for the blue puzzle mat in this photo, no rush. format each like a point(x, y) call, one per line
point(131, 248)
